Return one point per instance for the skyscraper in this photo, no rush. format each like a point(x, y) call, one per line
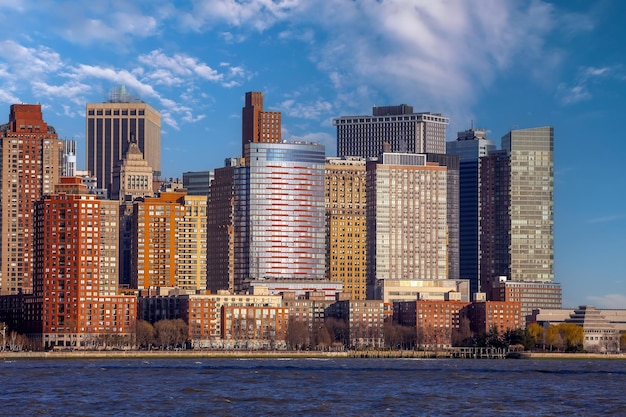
point(517, 218)
point(30, 165)
point(221, 227)
point(403, 130)
point(75, 283)
point(406, 220)
point(531, 152)
point(112, 126)
point(279, 220)
point(258, 125)
point(345, 224)
point(470, 146)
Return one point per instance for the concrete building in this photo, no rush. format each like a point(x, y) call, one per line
point(345, 224)
point(300, 287)
point(471, 145)
point(602, 327)
point(599, 334)
point(451, 162)
point(395, 290)
point(257, 124)
point(76, 270)
point(398, 126)
point(169, 242)
point(132, 177)
point(112, 126)
point(407, 231)
point(69, 158)
point(30, 165)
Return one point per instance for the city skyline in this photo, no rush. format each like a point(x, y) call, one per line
point(509, 65)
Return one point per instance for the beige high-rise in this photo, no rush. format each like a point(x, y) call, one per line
point(30, 155)
point(112, 126)
point(406, 220)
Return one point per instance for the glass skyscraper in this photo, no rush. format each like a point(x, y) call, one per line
point(279, 220)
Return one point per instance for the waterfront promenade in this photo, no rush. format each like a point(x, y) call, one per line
point(251, 354)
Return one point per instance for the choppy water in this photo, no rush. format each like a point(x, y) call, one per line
point(311, 387)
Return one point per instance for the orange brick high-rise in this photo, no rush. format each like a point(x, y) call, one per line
point(73, 257)
point(30, 162)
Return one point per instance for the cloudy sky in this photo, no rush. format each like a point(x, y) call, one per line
point(498, 64)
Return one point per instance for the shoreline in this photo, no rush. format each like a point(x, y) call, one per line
point(382, 354)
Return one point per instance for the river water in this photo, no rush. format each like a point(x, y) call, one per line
point(312, 387)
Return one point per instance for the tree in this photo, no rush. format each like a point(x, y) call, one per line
point(144, 333)
point(338, 330)
point(552, 336)
point(536, 333)
point(463, 335)
point(622, 342)
point(572, 335)
point(170, 333)
point(297, 334)
point(322, 338)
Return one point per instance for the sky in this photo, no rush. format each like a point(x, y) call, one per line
point(493, 64)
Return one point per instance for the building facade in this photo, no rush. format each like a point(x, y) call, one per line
point(112, 126)
point(407, 233)
point(471, 145)
point(517, 217)
point(531, 153)
point(258, 125)
point(198, 182)
point(169, 242)
point(398, 126)
point(451, 162)
point(221, 228)
point(75, 270)
point(30, 165)
point(484, 316)
point(345, 224)
point(279, 220)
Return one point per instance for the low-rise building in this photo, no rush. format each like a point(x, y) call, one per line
point(487, 315)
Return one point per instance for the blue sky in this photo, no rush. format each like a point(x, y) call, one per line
point(500, 64)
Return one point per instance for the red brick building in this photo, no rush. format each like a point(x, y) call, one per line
point(486, 315)
point(30, 165)
point(435, 321)
point(72, 238)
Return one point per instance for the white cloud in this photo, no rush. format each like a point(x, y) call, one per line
point(303, 110)
point(71, 90)
point(617, 301)
point(28, 63)
point(117, 77)
point(606, 219)
point(587, 76)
